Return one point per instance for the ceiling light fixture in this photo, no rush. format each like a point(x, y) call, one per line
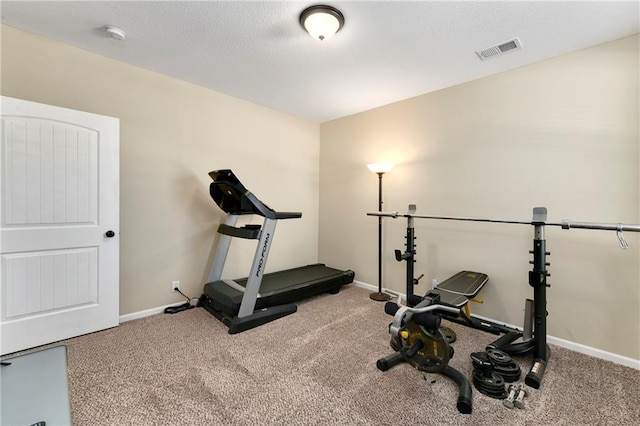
point(115, 32)
point(321, 21)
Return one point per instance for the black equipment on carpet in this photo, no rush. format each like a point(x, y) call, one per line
point(418, 340)
point(242, 304)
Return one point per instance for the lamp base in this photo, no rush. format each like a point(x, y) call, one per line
point(380, 297)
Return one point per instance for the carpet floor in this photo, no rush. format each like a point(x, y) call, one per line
point(315, 367)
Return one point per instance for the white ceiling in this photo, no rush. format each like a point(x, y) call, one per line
point(387, 50)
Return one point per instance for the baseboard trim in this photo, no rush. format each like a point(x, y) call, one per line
point(598, 353)
point(142, 314)
point(146, 313)
point(567, 344)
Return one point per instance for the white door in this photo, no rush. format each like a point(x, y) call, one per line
point(59, 224)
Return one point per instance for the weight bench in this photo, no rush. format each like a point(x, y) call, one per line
point(456, 291)
point(459, 289)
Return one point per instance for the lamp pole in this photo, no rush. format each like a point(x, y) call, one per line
point(380, 170)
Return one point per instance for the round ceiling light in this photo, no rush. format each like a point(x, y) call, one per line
point(321, 22)
point(115, 32)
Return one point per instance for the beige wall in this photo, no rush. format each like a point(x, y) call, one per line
point(171, 135)
point(562, 134)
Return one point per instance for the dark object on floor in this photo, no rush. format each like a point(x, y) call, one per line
point(179, 308)
point(418, 340)
point(247, 303)
point(491, 370)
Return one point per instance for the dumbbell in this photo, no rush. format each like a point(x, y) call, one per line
point(513, 390)
point(519, 401)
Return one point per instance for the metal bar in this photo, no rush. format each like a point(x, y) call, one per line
point(565, 224)
point(252, 288)
point(380, 234)
point(468, 219)
point(386, 214)
point(215, 273)
point(411, 252)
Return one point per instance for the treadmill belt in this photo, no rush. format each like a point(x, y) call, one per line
point(278, 287)
point(292, 279)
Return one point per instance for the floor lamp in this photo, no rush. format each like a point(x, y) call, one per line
point(380, 169)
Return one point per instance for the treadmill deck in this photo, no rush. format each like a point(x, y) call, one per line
point(279, 287)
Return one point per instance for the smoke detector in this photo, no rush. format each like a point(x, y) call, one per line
point(115, 32)
point(499, 49)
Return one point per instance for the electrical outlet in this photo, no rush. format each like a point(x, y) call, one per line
point(175, 285)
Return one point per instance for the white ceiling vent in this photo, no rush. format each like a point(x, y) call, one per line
point(499, 49)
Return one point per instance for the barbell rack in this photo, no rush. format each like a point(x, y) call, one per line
point(537, 276)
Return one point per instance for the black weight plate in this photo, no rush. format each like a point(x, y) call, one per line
point(448, 334)
point(481, 360)
point(491, 382)
point(512, 367)
point(491, 386)
point(493, 393)
point(498, 357)
point(509, 372)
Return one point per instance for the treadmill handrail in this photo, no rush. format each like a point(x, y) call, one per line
point(233, 198)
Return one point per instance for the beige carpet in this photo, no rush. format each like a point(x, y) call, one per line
point(316, 367)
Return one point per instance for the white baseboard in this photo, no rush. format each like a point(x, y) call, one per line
point(149, 312)
point(142, 314)
point(598, 353)
point(577, 347)
point(373, 288)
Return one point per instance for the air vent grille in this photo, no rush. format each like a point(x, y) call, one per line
point(499, 49)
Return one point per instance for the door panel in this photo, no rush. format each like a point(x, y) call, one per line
point(51, 175)
point(55, 280)
point(59, 198)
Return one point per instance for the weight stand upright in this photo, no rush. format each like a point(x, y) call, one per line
point(538, 280)
point(409, 257)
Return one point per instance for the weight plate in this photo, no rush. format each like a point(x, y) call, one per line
point(481, 360)
point(509, 372)
point(519, 348)
point(449, 334)
point(433, 357)
point(498, 357)
point(492, 385)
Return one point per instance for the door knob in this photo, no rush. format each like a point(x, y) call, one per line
point(110, 234)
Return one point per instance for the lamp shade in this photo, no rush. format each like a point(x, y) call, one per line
point(321, 22)
point(380, 167)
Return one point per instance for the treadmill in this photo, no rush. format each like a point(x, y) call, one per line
point(242, 304)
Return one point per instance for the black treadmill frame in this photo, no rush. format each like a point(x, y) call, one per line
point(238, 303)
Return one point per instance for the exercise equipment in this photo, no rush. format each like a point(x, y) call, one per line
point(418, 341)
point(503, 364)
point(537, 308)
point(461, 288)
point(492, 369)
point(485, 379)
point(512, 395)
point(456, 291)
point(246, 303)
point(519, 401)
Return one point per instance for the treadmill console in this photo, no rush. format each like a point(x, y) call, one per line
point(233, 198)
